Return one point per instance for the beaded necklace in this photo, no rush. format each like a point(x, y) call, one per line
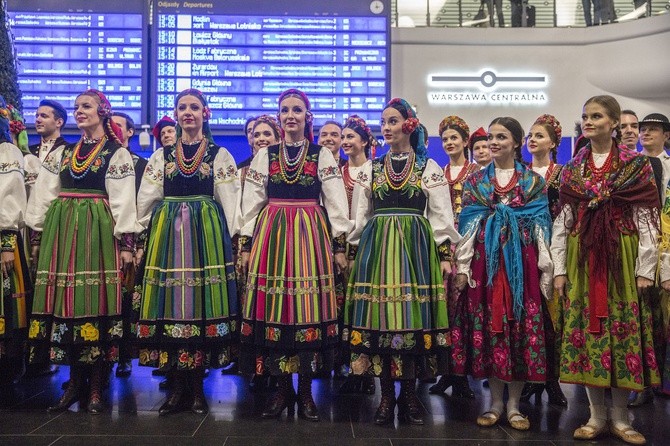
point(504, 190)
point(397, 180)
point(290, 169)
point(189, 166)
point(80, 165)
point(459, 177)
point(348, 183)
point(549, 171)
point(599, 172)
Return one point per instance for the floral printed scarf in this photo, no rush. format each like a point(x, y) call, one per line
point(527, 211)
point(602, 211)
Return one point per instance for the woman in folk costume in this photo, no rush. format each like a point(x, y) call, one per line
point(264, 132)
point(504, 260)
point(357, 143)
point(291, 246)
point(395, 316)
point(14, 278)
point(82, 205)
point(542, 143)
point(188, 201)
point(605, 250)
point(454, 133)
point(664, 248)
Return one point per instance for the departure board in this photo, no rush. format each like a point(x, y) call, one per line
point(242, 54)
point(64, 48)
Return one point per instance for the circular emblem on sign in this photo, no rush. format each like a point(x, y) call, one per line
point(488, 78)
point(377, 7)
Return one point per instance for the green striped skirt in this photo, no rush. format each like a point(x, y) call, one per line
point(189, 306)
point(290, 311)
point(13, 304)
point(395, 315)
point(77, 302)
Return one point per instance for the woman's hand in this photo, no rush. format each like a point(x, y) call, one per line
point(244, 262)
point(445, 265)
point(666, 285)
point(7, 259)
point(126, 259)
point(341, 264)
point(643, 284)
point(560, 283)
point(138, 256)
point(460, 282)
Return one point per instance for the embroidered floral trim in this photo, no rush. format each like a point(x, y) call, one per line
point(189, 281)
point(88, 332)
point(445, 252)
point(12, 166)
point(145, 331)
point(289, 364)
point(37, 329)
point(117, 172)
point(272, 334)
point(220, 330)
point(153, 175)
point(7, 241)
point(381, 187)
point(360, 338)
point(329, 172)
point(69, 283)
point(149, 356)
point(308, 335)
point(57, 332)
point(230, 173)
point(408, 297)
point(187, 360)
point(52, 164)
point(246, 329)
point(87, 355)
point(116, 330)
point(362, 178)
point(295, 291)
point(427, 341)
point(306, 178)
point(397, 341)
point(255, 177)
point(96, 165)
point(435, 179)
point(184, 331)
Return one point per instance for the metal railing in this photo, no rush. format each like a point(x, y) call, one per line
point(541, 13)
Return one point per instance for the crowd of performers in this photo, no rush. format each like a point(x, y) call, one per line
point(296, 261)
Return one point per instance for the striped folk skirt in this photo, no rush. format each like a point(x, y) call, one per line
point(77, 301)
point(289, 320)
point(188, 309)
point(395, 315)
point(13, 304)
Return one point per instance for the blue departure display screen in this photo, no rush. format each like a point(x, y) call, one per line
point(338, 52)
point(64, 48)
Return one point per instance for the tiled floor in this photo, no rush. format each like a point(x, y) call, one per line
point(132, 418)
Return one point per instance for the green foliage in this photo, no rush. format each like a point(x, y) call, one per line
point(9, 87)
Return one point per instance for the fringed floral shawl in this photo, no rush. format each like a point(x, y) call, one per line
point(603, 211)
point(508, 226)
